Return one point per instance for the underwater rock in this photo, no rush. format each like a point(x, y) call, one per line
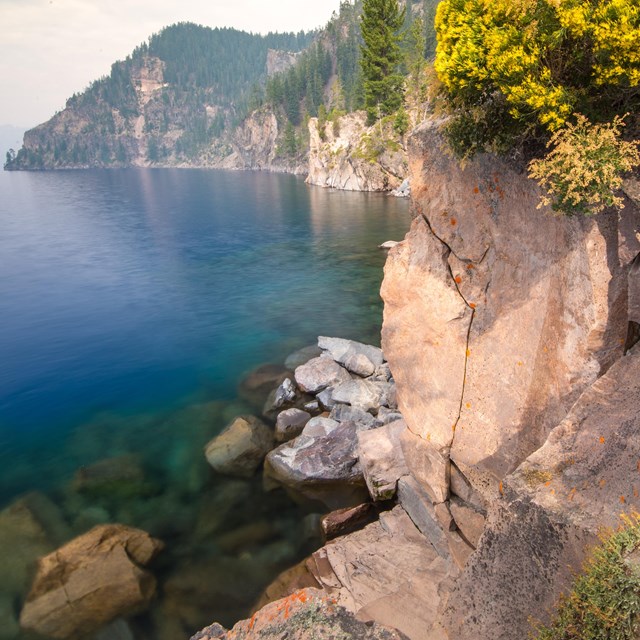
point(302, 356)
point(255, 387)
point(241, 447)
point(90, 581)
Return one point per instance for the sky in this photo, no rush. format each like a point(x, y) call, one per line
point(51, 49)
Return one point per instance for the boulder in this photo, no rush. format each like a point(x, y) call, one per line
point(341, 350)
point(302, 356)
point(290, 424)
point(24, 537)
point(241, 447)
point(9, 627)
point(119, 476)
point(257, 385)
point(90, 581)
point(308, 614)
point(386, 415)
point(347, 413)
point(470, 521)
point(319, 426)
point(320, 466)
point(364, 394)
point(382, 460)
point(325, 399)
point(282, 396)
point(359, 364)
point(320, 373)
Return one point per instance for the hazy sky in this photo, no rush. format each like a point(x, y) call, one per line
point(50, 49)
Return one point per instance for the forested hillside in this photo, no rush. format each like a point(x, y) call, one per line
point(199, 96)
point(167, 100)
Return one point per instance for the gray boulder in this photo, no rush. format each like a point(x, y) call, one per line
point(340, 350)
point(281, 397)
point(320, 373)
point(382, 460)
point(347, 413)
point(241, 447)
point(365, 394)
point(290, 424)
point(319, 426)
point(359, 364)
point(320, 466)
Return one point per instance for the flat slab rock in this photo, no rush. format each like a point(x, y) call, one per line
point(308, 614)
point(389, 573)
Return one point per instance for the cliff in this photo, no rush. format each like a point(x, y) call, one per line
point(346, 154)
point(505, 327)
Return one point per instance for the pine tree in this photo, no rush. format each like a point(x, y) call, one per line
point(381, 57)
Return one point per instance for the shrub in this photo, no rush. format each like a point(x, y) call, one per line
point(583, 170)
point(532, 63)
point(604, 602)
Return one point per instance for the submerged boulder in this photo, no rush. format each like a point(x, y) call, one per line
point(90, 581)
point(241, 447)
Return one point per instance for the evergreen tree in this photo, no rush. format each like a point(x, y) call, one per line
point(381, 57)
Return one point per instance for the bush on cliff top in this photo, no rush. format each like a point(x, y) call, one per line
point(515, 70)
point(604, 602)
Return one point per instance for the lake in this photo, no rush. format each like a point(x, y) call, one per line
point(133, 304)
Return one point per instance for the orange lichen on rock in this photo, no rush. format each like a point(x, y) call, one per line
point(458, 279)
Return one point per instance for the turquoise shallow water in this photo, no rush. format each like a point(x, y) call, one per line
point(132, 304)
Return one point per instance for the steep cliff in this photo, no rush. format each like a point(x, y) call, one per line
point(346, 154)
point(498, 318)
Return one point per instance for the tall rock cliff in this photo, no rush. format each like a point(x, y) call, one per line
point(349, 155)
point(499, 318)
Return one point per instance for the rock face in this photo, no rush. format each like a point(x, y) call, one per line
point(583, 477)
point(505, 328)
point(90, 581)
point(355, 157)
point(497, 314)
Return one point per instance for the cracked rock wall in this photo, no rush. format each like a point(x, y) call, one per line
point(498, 315)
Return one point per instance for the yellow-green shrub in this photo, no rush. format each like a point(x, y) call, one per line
point(582, 171)
point(536, 62)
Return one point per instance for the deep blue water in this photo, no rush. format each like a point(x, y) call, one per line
point(133, 290)
point(132, 304)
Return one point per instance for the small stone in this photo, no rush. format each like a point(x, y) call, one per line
point(389, 244)
point(359, 364)
point(290, 424)
point(312, 407)
point(344, 521)
point(241, 447)
point(320, 373)
point(281, 397)
point(386, 415)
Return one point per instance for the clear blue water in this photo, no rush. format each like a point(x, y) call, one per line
point(133, 302)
